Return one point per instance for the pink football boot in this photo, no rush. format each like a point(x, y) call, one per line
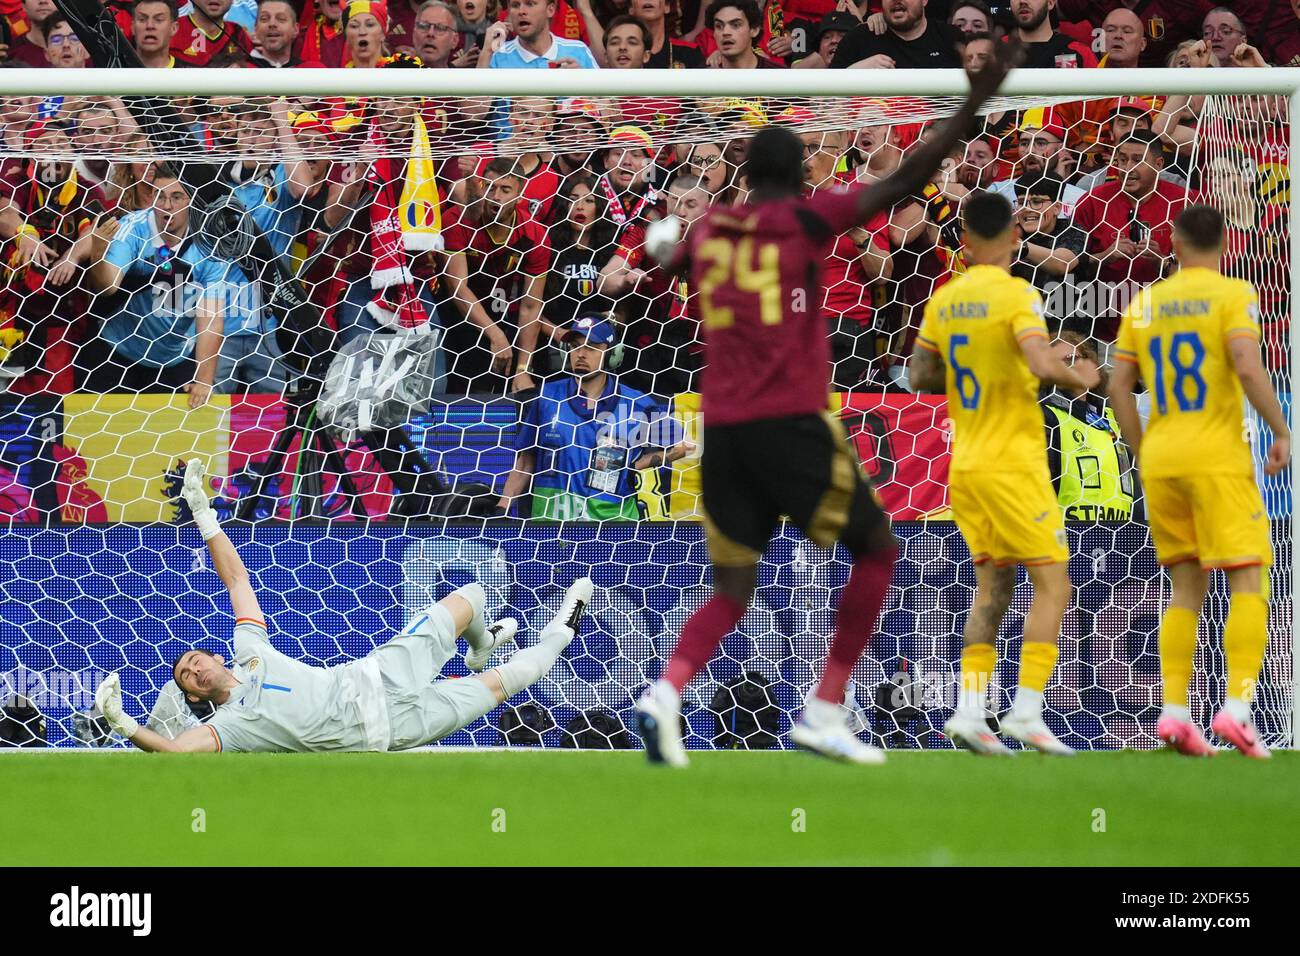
point(1183, 736)
point(1242, 736)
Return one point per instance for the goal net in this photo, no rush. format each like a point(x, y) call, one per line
point(358, 310)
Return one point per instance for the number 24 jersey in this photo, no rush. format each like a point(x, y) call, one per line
point(757, 269)
point(1177, 333)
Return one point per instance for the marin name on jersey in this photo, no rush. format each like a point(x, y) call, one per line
point(1177, 308)
point(965, 310)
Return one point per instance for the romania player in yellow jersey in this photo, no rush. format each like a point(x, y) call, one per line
point(1194, 339)
point(984, 342)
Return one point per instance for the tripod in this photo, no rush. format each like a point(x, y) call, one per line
point(421, 492)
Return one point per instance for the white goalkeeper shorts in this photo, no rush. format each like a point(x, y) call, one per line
point(421, 708)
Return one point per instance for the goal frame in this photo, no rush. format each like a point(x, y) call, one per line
point(1065, 84)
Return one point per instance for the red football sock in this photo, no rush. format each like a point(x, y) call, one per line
point(855, 620)
point(701, 637)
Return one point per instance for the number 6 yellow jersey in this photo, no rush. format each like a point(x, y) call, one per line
point(976, 324)
point(1177, 333)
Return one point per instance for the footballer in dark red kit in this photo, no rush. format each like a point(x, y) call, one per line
point(770, 448)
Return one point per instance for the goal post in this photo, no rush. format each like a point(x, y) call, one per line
point(365, 543)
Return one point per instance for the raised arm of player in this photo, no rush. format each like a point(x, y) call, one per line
point(225, 560)
point(925, 159)
point(1259, 392)
point(1049, 367)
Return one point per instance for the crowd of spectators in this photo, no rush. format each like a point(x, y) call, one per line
point(514, 248)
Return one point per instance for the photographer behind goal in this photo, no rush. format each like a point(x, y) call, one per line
point(585, 434)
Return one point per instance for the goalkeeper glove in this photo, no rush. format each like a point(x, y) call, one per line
point(196, 496)
point(108, 698)
point(661, 238)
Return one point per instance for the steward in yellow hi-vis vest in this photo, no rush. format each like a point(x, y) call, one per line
point(1090, 465)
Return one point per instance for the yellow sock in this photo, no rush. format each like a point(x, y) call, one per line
point(1244, 639)
point(977, 663)
point(1037, 660)
point(1177, 650)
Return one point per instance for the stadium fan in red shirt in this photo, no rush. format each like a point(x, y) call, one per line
point(666, 52)
point(1282, 45)
point(508, 257)
point(275, 33)
point(1047, 48)
point(62, 48)
point(627, 47)
point(1129, 222)
point(1165, 23)
point(364, 24)
point(1256, 245)
point(29, 49)
point(627, 184)
point(736, 25)
point(204, 33)
point(580, 119)
point(627, 44)
point(46, 218)
point(531, 121)
point(153, 27)
point(771, 40)
point(320, 33)
point(859, 260)
point(769, 447)
point(664, 335)
point(435, 37)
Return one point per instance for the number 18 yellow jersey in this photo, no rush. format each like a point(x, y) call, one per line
point(1177, 333)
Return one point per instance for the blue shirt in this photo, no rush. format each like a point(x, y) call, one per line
point(239, 300)
point(512, 56)
point(273, 207)
point(562, 429)
point(243, 12)
point(156, 325)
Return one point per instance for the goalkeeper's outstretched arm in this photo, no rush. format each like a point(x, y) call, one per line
point(108, 698)
point(225, 560)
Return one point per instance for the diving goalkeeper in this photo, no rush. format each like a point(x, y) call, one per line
point(388, 700)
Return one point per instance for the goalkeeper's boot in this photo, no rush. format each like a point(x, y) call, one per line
point(576, 601)
point(1241, 734)
point(822, 729)
point(659, 722)
point(1032, 732)
point(972, 731)
point(498, 633)
point(1183, 736)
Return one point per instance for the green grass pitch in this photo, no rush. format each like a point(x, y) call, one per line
point(561, 808)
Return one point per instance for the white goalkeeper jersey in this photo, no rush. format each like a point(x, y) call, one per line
point(283, 705)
